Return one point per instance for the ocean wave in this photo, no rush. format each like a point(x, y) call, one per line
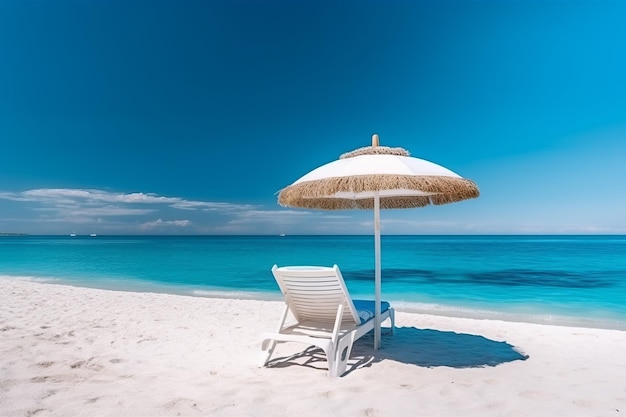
point(243, 295)
point(614, 322)
point(30, 278)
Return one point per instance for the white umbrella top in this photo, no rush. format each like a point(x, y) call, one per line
point(401, 181)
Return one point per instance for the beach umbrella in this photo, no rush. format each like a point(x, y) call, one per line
point(377, 177)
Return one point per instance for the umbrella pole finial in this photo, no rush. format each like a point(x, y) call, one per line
point(375, 139)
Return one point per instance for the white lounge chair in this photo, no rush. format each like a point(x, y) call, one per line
point(325, 315)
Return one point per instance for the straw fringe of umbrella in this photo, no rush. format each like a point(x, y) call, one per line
point(317, 194)
point(312, 194)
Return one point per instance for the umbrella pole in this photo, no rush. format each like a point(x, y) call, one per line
point(377, 276)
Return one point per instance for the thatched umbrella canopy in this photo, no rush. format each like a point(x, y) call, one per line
point(377, 177)
point(402, 182)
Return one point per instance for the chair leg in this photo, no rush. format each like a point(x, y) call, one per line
point(330, 358)
point(392, 317)
point(342, 354)
point(267, 348)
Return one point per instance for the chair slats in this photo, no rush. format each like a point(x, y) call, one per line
point(313, 294)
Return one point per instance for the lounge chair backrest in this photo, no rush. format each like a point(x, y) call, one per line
point(314, 293)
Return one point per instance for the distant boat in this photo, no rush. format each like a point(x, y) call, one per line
point(73, 234)
point(93, 235)
point(282, 234)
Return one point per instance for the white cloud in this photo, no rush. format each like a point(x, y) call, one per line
point(99, 202)
point(59, 209)
point(77, 211)
point(58, 195)
point(13, 196)
point(417, 223)
point(209, 206)
point(281, 217)
point(589, 230)
point(168, 223)
point(68, 194)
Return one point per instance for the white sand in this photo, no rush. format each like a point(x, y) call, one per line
point(67, 351)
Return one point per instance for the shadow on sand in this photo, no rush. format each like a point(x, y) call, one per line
point(421, 347)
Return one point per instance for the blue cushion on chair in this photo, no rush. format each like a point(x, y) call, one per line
point(365, 308)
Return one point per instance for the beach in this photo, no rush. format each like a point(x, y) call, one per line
point(76, 351)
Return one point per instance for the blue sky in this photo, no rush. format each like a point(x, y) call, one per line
point(186, 117)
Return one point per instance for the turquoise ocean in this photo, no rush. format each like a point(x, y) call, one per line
point(575, 280)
